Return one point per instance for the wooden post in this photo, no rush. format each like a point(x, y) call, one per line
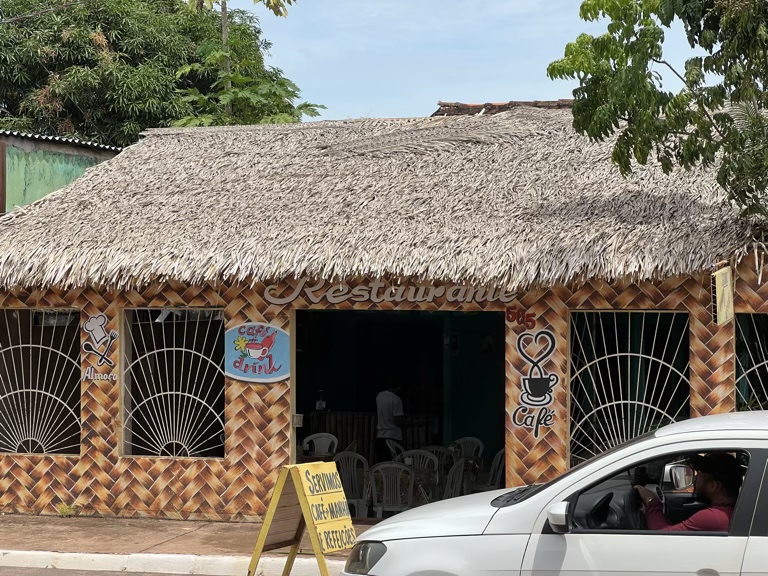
point(3, 176)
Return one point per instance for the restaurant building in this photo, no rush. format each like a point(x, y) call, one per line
point(178, 319)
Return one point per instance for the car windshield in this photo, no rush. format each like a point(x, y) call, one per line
point(524, 492)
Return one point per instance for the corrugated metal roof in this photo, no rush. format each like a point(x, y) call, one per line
point(73, 141)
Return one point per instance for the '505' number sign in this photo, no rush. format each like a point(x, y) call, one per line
point(521, 317)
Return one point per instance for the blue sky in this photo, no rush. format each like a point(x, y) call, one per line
point(397, 58)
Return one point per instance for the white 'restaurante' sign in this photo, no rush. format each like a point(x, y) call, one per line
point(378, 291)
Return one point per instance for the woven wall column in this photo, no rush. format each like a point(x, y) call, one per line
point(537, 427)
point(712, 352)
point(100, 397)
point(751, 290)
point(257, 418)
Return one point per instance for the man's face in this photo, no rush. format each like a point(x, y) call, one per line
point(703, 485)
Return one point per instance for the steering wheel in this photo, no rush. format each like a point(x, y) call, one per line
point(599, 513)
point(633, 513)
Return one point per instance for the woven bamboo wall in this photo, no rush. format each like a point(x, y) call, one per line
point(257, 422)
point(531, 459)
point(100, 482)
point(750, 290)
point(258, 427)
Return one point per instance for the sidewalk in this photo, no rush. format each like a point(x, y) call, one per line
point(136, 545)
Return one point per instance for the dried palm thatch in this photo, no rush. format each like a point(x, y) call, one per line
point(511, 200)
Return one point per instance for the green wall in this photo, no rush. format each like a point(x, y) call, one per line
point(33, 174)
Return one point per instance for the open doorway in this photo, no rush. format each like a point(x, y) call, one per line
point(450, 368)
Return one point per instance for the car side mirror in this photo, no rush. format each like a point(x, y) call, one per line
point(681, 476)
point(557, 515)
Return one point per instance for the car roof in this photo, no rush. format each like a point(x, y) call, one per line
point(757, 420)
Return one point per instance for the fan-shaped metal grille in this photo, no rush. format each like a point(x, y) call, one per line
point(39, 381)
point(629, 375)
point(751, 362)
point(173, 384)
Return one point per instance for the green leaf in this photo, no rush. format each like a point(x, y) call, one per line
point(716, 117)
point(105, 70)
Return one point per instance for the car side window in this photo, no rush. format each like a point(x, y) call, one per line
point(680, 492)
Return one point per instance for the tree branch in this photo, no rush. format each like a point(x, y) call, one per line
point(685, 82)
point(675, 72)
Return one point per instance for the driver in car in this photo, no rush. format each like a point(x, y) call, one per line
point(718, 478)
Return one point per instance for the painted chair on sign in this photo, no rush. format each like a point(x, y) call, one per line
point(469, 447)
point(395, 448)
point(392, 486)
point(455, 481)
point(353, 469)
point(320, 444)
point(496, 475)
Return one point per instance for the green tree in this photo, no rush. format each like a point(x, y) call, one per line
point(278, 7)
point(717, 116)
point(242, 92)
point(105, 70)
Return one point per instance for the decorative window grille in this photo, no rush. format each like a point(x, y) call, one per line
point(173, 383)
point(39, 381)
point(751, 362)
point(629, 375)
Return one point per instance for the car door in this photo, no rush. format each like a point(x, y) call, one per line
point(756, 555)
point(622, 552)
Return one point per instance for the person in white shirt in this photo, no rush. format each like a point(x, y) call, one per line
point(390, 418)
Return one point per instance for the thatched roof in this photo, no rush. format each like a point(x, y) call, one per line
point(513, 199)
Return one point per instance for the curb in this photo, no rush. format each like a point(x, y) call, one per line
point(163, 563)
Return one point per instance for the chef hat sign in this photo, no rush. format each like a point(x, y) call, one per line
point(96, 327)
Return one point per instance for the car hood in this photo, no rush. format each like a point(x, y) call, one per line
point(462, 516)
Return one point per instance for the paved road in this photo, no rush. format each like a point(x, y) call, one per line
point(55, 572)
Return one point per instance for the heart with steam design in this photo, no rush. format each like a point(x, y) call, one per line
point(537, 384)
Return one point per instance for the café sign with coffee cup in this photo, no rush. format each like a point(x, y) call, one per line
point(537, 386)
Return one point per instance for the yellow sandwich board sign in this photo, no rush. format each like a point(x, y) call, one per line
point(722, 296)
point(306, 497)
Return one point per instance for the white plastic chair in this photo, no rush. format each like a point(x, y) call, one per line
point(421, 460)
point(445, 461)
point(455, 481)
point(392, 497)
point(469, 447)
point(395, 448)
point(353, 469)
point(495, 476)
point(321, 443)
point(445, 458)
point(352, 447)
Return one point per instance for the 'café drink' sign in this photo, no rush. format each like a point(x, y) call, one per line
point(257, 352)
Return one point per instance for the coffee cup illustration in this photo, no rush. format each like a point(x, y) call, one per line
point(537, 387)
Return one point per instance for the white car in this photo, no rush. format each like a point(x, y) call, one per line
point(589, 520)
